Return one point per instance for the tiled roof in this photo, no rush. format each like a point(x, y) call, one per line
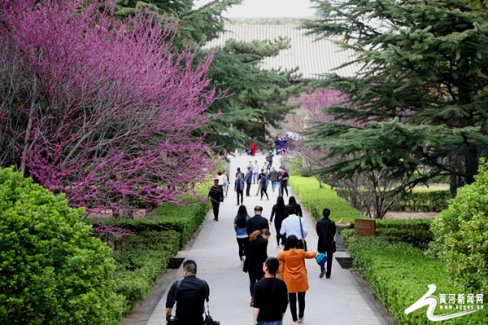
point(313, 57)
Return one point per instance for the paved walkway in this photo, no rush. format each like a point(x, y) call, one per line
point(328, 301)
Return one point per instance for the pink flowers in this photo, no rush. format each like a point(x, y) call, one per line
point(101, 109)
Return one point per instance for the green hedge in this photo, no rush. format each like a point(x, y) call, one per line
point(142, 257)
point(415, 232)
point(423, 200)
point(184, 219)
point(461, 234)
point(52, 271)
point(315, 198)
point(140, 260)
point(398, 274)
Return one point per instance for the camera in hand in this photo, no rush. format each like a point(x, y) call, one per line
point(172, 320)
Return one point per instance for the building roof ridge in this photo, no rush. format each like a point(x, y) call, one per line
point(268, 21)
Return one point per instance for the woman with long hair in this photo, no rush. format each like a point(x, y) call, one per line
point(278, 212)
point(240, 227)
point(295, 276)
point(293, 207)
point(256, 254)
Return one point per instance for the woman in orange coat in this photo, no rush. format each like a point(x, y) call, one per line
point(295, 276)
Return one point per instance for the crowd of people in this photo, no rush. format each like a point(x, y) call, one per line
point(275, 282)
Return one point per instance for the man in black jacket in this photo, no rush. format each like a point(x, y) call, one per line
point(190, 295)
point(270, 295)
point(216, 195)
point(326, 230)
point(257, 222)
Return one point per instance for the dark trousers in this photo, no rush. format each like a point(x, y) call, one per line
point(293, 304)
point(248, 189)
point(278, 235)
point(215, 207)
point(330, 255)
point(264, 190)
point(242, 243)
point(254, 276)
point(241, 194)
point(283, 187)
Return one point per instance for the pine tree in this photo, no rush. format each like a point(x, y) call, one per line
point(421, 95)
point(251, 98)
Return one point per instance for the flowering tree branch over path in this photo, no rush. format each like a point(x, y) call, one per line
point(100, 108)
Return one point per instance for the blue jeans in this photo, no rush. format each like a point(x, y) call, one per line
point(277, 322)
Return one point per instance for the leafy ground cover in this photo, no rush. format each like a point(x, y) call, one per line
point(394, 262)
point(398, 274)
point(143, 255)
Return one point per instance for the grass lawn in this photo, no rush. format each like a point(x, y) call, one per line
point(315, 198)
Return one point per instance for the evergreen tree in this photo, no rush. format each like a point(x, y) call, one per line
point(255, 99)
point(252, 98)
point(420, 97)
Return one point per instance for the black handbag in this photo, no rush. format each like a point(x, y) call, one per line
point(208, 319)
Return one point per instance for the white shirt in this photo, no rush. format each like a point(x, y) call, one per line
point(291, 226)
point(222, 180)
point(256, 168)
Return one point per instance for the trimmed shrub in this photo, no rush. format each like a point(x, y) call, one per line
point(142, 257)
point(461, 234)
point(423, 200)
point(140, 260)
point(414, 232)
point(52, 271)
point(398, 274)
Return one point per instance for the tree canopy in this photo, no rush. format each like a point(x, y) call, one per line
point(420, 98)
point(251, 98)
point(102, 109)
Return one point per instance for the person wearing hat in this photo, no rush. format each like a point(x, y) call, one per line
point(216, 195)
point(326, 230)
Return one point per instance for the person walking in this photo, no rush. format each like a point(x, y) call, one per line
point(239, 188)
point(263, 182)
point(255, 172)
point(326, 230)
point(240, 227)
point(269, 159)
point(272, 178)
point(216, 195)
point(260, 175)
point(254, 147)
point(270, 296)
point(294, 225)
point(257, 222)
point(256, 254)
point(189, 294)
point(279, 213)
point(248, 180)
point(293, 207)
point(295, 276)
point(283, 181)
point(225, 183)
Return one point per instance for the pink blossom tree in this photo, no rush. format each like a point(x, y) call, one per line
point(101, 109)
point(371, 191)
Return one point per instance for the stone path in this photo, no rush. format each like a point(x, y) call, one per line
point(329, 301)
